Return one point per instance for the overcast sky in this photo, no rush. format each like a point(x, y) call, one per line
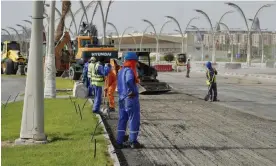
point(130, 13)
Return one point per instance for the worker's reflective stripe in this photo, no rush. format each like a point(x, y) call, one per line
point(214, 77)
point(121, 131)
point(133, 131)
point(95, 78)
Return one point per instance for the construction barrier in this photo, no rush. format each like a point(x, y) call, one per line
point(163, 68)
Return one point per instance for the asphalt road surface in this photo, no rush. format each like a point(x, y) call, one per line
point(11, 86)
point(179, 128)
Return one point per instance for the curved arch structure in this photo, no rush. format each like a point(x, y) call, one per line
point(156, 36)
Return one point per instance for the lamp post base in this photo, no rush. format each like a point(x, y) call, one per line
point(21, 141)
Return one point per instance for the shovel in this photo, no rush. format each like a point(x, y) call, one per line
point(141, 89)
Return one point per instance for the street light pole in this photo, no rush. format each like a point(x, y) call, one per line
point(232, 41)
point(143, 36)
point(7, 33)
point(27, 36)
point(156, 36)
point(212, 30)
point(116, 30)
point(133, 41)
point(32, 124)
point(50, 65)
point(260, 32)
point(202, 48)
point(178, 25)
point(249, 41)
point(194, 18)
point(121, 38)
point(104, 18)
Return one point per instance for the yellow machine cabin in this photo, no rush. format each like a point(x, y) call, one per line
point(11, 57)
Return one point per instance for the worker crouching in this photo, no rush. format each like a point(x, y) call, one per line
point(97, 72)
point(129, 106)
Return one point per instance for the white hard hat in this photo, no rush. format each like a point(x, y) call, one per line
point(92, 59)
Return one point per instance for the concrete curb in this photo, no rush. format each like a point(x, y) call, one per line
point(269, 77)
point(110, 146)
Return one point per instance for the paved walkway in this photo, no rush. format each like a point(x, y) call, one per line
point(179, 129)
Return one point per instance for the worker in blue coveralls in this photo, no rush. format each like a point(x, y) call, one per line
point(129, 106)
point(98, 72)
point(211, 81)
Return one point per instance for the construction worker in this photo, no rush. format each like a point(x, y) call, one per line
point(129, 106)
point(111, 83)
point(92, 62)
point(211, 81)
point(188, 68)
point(98, 71)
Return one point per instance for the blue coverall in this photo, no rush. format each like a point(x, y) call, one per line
point(103, 71)
point(129, 107)
point(86, 80)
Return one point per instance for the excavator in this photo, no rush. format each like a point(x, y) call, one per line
point(11, 58)
point(85, 50)
point(63, 53)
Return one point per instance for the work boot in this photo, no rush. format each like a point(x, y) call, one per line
point(111, 109)
point(126, 138)
point(123, 145)
point(136, 145)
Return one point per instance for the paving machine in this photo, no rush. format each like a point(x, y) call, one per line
point(11, 58)
point(148, 75)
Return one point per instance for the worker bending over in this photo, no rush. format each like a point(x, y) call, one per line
point(129, 106)
point(98, 71)
point(211, 81)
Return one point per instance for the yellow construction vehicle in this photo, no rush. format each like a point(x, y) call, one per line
point(180, 62)
point(11, 58)
point(85, 48)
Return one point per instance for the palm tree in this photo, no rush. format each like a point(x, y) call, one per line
point(66, 5)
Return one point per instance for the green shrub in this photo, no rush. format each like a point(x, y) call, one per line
point(169, 57)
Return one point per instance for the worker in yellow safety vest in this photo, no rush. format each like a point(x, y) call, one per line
point(97, 72)
point(211, 81)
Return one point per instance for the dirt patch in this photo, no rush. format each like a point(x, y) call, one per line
point(7, 143)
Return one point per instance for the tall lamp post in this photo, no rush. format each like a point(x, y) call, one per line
point(10, 36)
point(260, 32)
point(133, 38)
point(116, 30)
point(230, 37)
point(27, 36)
point(213, 30)
point(32, 124)
point(143, 36)
point(156, 36)
point(202, 47)
point(178, 25)
point(249, 41)
point(104, 18)
point(121, 38)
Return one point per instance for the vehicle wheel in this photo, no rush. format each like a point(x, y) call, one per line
point(72, 74)
point(15, 68)
point(25, 70)
point(9, 67)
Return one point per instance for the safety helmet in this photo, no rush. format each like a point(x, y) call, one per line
point(209, 65)
point(130, 56)
point(92, 59)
